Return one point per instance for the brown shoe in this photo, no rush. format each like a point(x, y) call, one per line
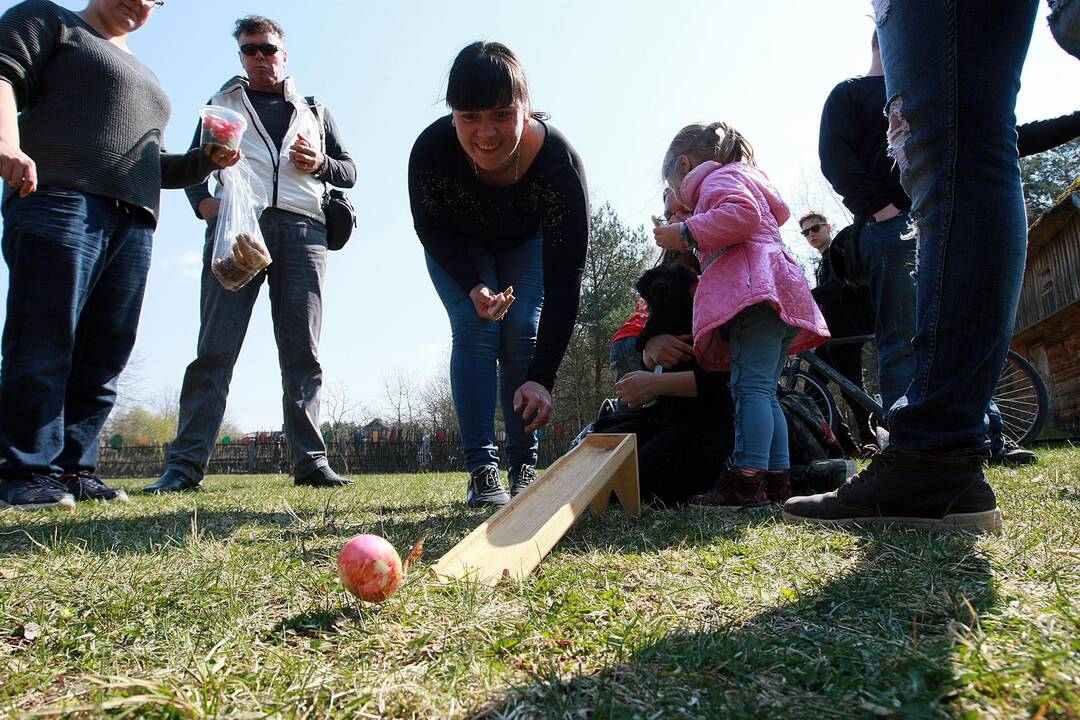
point(778, 486)
point(735, 490)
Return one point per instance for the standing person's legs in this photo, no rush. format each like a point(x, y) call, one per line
point(952, 71)
point(847, 359)
point(298, 246)
point(888, 253)
point(757, 345)
point(779, 454)
point(223, 322)
point(103, 340)
point(522, 268)
point(56, 243)
point(758, 342)
point(474, 355)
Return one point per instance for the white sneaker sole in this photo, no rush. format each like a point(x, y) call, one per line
point(988, 521)
point(67, 502)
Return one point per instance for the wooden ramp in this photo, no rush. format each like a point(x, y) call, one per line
point(513, 541)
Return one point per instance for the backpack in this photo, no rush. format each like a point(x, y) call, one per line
point(809, 436)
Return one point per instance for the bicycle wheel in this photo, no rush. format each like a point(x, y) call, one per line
point(1022, 399)
point(819, 393)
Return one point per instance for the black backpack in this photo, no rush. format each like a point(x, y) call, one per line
point(809, 435)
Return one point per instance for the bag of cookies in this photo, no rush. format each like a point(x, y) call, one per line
point(239, 250)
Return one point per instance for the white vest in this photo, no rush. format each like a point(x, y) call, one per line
point(296, 191)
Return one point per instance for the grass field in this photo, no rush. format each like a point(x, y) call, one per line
point(227, 604)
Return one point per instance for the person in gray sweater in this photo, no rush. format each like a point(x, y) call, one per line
point(81, 151)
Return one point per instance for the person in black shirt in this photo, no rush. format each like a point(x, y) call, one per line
point(500, 204)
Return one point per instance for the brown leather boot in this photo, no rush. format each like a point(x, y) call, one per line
point(778, 486)
point(735, 490)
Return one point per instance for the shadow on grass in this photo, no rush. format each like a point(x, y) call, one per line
point(152, 533)
point(882, 640)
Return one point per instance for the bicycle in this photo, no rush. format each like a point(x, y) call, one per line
point(1021, 395)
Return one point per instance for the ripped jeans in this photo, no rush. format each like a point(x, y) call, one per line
point(952, 72)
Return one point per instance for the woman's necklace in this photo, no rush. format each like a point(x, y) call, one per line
point(517, 165)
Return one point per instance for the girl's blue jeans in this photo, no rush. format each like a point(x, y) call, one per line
point(759, 345)
point(486, 354)
point(952, 72)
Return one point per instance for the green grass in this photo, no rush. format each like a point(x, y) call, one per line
point(227, 604)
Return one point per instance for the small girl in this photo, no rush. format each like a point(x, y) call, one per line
point(753, 305)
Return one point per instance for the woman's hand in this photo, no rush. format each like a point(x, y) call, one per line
point(533, 401)
point(222, 156)
point(669, 237)
point(637, 388)
point(209, 208)
point(668, 350)
point(17, 169)
point(491, 305)
point(305, 157)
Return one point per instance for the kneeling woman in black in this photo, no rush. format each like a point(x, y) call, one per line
point(499, 201)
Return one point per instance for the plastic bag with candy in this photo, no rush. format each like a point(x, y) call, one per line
point(239, 250)
point(221, 126)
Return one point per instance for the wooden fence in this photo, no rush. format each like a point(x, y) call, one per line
point(345, 456)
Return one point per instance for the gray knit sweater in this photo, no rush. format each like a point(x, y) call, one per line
point(91, 115)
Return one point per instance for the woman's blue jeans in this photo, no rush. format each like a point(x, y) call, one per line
point(78, 265)
point(486, 353)
point(952, 72)
point(759, 345)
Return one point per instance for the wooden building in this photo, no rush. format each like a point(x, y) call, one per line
point(1047, 330)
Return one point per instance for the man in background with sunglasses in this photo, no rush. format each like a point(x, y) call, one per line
point(294, 146)
point(849, 312)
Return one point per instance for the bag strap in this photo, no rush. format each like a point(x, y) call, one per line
point(314, 105)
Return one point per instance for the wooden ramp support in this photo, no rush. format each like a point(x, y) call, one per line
point(513, 541)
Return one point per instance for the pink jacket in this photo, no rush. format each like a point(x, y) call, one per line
point(736, 223)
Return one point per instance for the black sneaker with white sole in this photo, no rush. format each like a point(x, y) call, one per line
point(34, 492)
point(907, 488)
point(88, 486)
point(520, 477)
point(485, 490)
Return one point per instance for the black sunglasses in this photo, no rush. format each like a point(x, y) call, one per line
point(267, 49)
point(812, 229)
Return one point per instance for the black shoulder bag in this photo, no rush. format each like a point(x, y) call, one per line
point(336, 207)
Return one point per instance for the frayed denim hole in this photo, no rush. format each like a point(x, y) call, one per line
point(898, 134)
point(881, 9)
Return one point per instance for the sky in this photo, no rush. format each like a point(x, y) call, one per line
point(618, 79)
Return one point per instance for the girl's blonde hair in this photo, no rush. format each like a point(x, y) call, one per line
point(716, 141)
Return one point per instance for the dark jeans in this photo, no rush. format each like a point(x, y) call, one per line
point(952, 72)
point(887, 252)
point(297, 245)
point(485, 350)
point(78, 267)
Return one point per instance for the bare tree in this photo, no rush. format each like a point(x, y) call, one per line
point(402, 393)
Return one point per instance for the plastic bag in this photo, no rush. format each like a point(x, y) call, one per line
point(239, 250)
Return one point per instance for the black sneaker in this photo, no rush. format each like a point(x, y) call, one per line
point(88, 486)
point(520, 477)
point(1013, 454)
point(323, 477)
point(34, 492)
point(910, 489)
point(485, 490)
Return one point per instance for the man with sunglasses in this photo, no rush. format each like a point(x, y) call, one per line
point(293, 144)
point(848, 312)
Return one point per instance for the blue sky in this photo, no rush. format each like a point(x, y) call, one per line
point(618, 78)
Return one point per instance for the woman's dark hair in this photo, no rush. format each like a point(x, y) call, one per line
point(487, 75)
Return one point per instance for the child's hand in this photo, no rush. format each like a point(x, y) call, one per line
point(669, 237)
point(637, 388)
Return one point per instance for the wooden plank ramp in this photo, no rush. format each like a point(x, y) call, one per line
point(513, 541)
